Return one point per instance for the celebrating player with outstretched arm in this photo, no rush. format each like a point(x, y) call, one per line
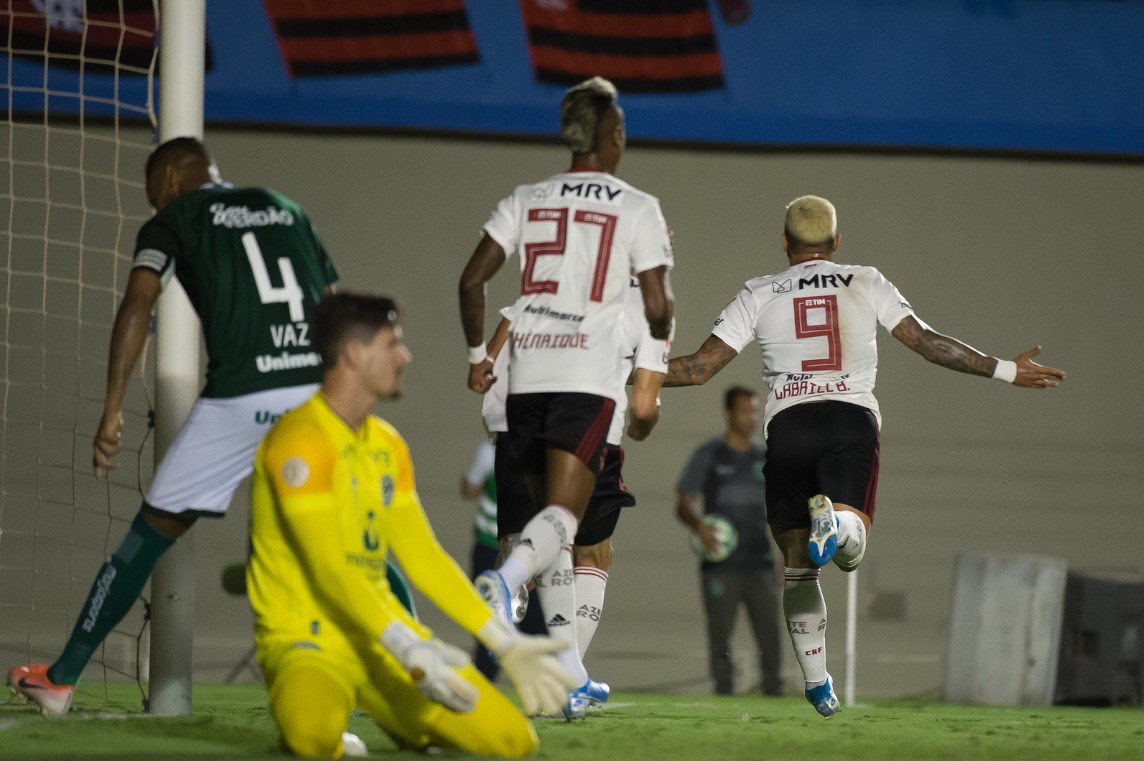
point(580, 235)
point(816, 324)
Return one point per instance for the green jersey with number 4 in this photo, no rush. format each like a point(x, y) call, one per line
point(254, 270)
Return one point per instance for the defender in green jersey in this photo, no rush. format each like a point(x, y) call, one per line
point(254, 270)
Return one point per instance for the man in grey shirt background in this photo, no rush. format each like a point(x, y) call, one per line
point(726, 473)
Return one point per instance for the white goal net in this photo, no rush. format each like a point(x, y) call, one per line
point(76, 133)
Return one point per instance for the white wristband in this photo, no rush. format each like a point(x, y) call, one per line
point(1006, 370)
point(398, 638)
point(478, 354)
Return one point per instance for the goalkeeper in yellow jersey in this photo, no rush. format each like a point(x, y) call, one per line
point(333, 494)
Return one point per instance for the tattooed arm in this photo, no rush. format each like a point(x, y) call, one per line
point(700, 367)
point(949, 352)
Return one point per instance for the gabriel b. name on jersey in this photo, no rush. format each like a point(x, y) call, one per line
point(798, 385)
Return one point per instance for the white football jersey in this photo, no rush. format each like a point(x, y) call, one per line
point(579, 235)
point(817, 326)
point(493, 402)
point(639, 349)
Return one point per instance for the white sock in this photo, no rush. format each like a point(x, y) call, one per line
point(549, 530)
point(805, 610)
point(556, 589)
point(851, 540)
point(849, 527)
point(590, 585)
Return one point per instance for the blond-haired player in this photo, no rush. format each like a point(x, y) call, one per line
point(817, 323)
point(333, 494)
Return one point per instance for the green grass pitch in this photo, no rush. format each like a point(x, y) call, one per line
point(231, 723)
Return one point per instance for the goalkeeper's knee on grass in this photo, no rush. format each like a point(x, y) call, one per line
point(312, 711)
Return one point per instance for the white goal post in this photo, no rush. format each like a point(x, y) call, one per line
point(182, 42)
point(71, 200)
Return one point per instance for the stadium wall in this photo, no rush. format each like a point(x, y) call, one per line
point(1003, 253)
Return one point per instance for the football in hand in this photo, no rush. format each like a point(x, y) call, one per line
point(726, 539)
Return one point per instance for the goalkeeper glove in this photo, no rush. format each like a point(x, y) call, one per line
point(432, 663)
point(542, 682)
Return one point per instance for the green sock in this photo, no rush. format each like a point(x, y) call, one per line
point(116, 587)
point(400, 588)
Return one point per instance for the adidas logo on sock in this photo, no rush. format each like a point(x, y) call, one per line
point(558, 620)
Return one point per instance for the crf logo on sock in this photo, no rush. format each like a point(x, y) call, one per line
point(815, 651)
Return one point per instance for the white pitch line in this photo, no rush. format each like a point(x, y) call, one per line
point(609, 705)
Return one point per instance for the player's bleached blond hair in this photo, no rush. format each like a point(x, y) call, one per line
point(811, 220)
point(581, 111)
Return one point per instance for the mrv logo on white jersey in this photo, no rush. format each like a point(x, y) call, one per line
point(592, 190)
point(816, 281)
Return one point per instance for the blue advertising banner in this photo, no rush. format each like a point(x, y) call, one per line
point(1056, 76)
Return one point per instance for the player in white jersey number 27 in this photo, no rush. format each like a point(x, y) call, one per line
point(580, 236)
point(816, 323)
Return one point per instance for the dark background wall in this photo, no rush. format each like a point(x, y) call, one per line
point(1004, 254)
point(986, 225)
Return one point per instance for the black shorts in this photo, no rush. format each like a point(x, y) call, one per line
point(826, 448)
point(572, 422)
point(610, 495)
point(515, 505)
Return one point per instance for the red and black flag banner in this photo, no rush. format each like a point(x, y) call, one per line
point(321, 38)
point(95, 33)
point(641, 45)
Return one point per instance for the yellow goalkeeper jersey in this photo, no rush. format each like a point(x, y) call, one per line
point(327, 505)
